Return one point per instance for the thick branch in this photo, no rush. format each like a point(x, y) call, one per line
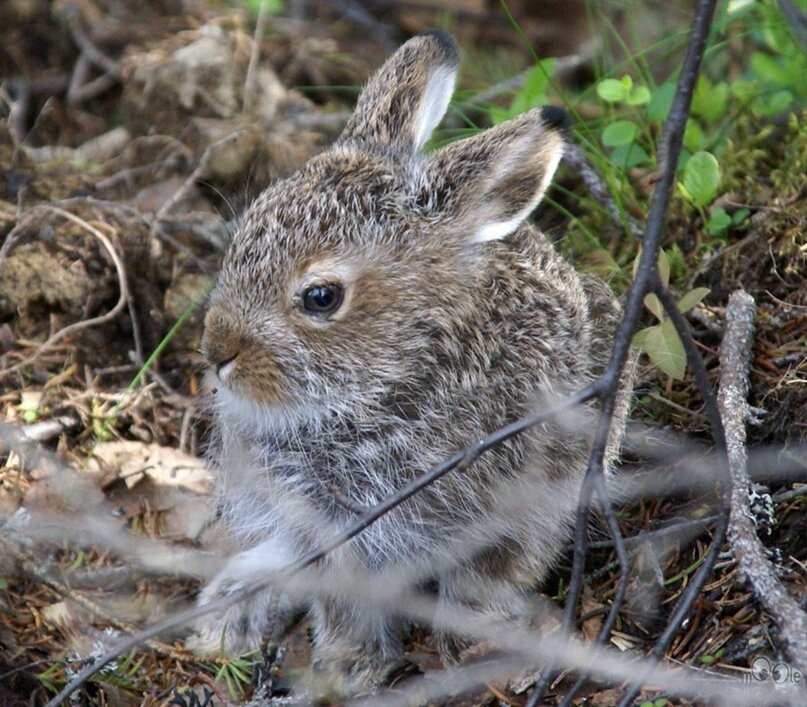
point(735, 356)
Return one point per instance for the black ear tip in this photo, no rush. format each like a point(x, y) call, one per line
point(557, 118)
point(446, 42)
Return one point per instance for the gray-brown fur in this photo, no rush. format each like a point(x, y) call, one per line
point(457, 319)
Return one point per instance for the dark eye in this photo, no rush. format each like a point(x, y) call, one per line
point(322, 299)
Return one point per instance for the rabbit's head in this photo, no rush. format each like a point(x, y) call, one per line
point(337, 276)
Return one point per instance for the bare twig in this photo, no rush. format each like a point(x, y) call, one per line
point(249, 82)
point(79, 76)
point(598, 190)
point(208, 159)
point(346, 503)
point(688, 597)
point(90, 89)
point(86, 323)
point(88, 48)
point(646, 279)
point(735, 356)
point(460, 461)
point(31, 568)
point(619, 594)
point(43, 431)
point(519, 645)
point(355, 12)
point(797, 20)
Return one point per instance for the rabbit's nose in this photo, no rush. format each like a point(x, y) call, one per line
point(222, 341)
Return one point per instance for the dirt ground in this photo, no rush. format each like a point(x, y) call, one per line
point(134, 135)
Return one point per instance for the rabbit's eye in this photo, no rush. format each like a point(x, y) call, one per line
point(322, 299)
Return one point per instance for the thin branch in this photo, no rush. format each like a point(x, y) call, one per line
point(685, 528)
point(30, 568)
point(597, 188)
point(619, 595)
point(75, 327)
point(519, 645)
point(88, 48)
point(460, 461)
point(209, 156)
point(355, 12)
point(797, 20)
point(646, 278)
point(48, 429)
point(735, 357)
point(688, 597)
point(255, 54)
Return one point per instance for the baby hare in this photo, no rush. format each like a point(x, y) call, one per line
point(377, 311)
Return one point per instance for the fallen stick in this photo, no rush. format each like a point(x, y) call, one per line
point(735, 357)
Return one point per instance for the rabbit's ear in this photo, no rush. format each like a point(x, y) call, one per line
point(488, 184)
point(408, 96)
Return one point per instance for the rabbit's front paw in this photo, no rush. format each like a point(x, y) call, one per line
point(241, 627)
point(348, 674)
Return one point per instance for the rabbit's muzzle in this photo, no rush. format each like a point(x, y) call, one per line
point(222, 342)
point(239, 361)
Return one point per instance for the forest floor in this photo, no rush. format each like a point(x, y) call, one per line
point(133, 142)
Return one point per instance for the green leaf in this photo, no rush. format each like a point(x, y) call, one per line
point(693, 135)
point(710, 101)
point(744, 90)
point(739, 216)
point(621, 132)
point(701, 178)
point(611, 90)
point(718, 222)
point(700, 96)
point(538, 81)
point(653, 303)
point(768, 69)
point(640, 337)
point(531, 94)
point(666, 350)
point(661, 102)
point(627, 156)
point(691, 298)
point(664, 268)
point(638, 96)
point(678, 261)
point(498, 114)
point(772, 105)
point(719, 105)
point(29, 405)
point(683, 158)
point(273, 7)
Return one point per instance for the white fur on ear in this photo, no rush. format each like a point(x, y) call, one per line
point(496, 230)
point(501, 229)
point(434, 103)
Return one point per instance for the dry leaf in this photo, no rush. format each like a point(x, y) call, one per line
point(591, 627)
point(59, 615)
point(163, 465)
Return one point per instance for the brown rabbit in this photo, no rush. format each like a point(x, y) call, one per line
point(377, 311)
